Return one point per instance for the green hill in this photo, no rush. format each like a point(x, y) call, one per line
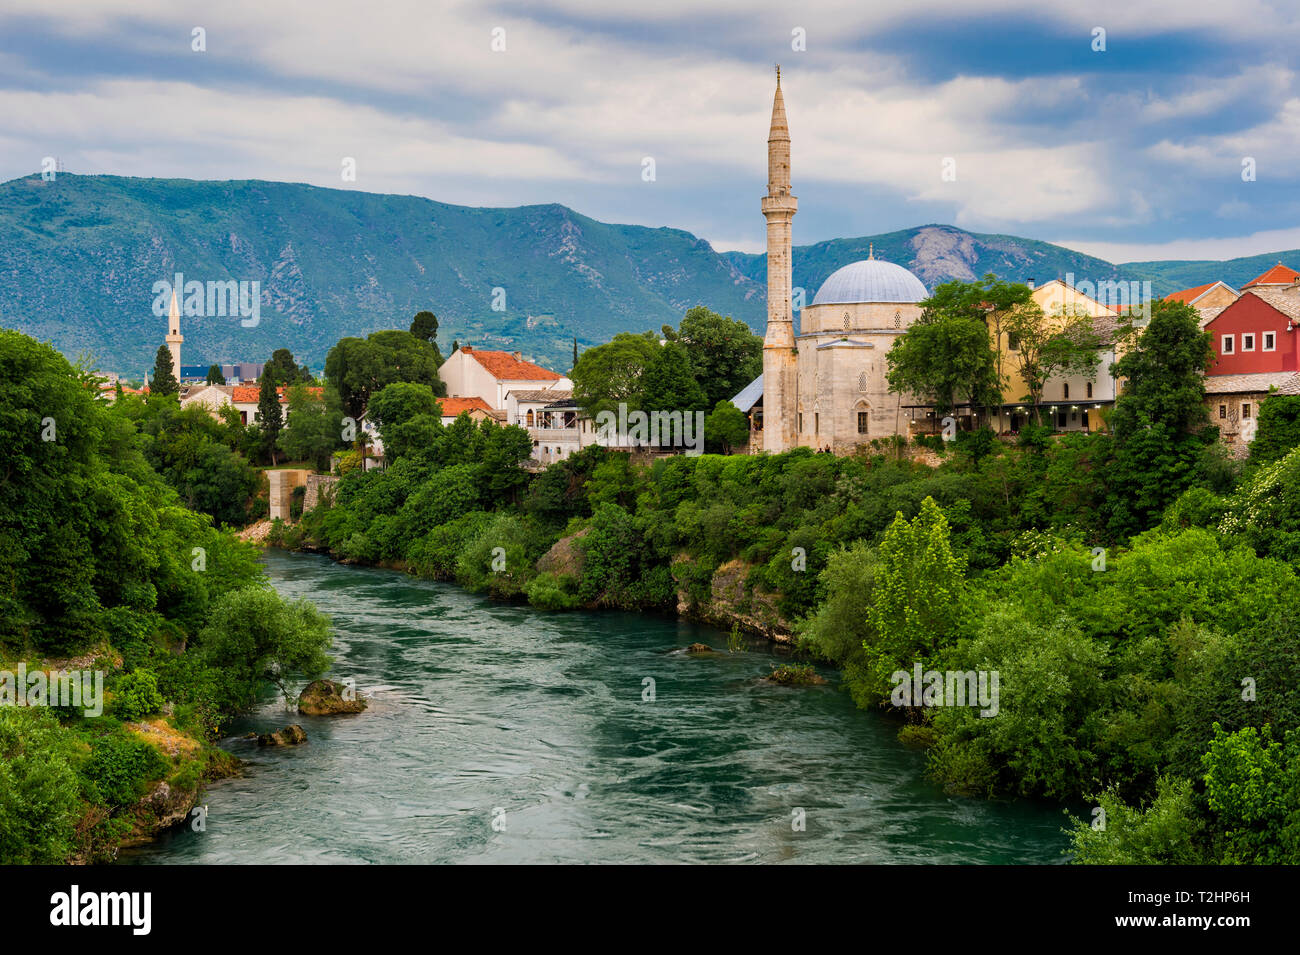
point(940, 253)
point(1171, 276)
point(79, 257)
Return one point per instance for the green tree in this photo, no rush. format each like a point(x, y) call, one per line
point(255, 637)
point(918, 594)
point(1164, 374)
point(987, 301)
point(425, 326)
point(270, 417)
point(613, 374)
point(727, 426)
point(313, 427)
point(396, 405)
point(163, 380)
point(1065, 343)
point(1252, 786)
point(724, 353)
point(215, 377)
point(1168, 832)
point(1277, 429)
point(1158, 418)
point(505, 449)
point(39, 789)
point(357, 368)
point(283, 370)
point(186, 446)
point(945, 359)
point(668, 383)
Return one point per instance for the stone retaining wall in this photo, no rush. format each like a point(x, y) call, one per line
point(318, 485)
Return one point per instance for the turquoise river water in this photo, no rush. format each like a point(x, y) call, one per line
point(499, 733)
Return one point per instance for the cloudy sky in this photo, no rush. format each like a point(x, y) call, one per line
point(1135, 151)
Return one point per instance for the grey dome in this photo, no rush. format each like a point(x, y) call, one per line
point(871, 280)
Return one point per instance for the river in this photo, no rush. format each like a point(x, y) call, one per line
point(502, 734)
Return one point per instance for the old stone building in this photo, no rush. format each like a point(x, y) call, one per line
point(824, 386)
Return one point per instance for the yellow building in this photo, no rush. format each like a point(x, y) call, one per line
point(1068, 402)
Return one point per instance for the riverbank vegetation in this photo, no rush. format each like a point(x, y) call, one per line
point(106, 565)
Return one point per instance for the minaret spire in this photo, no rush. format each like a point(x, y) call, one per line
point(780, 364)
point(174, 337)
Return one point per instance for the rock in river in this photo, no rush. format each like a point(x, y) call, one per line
point(326, 698)
point(289, 736)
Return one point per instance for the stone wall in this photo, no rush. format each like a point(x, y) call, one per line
point(281, 485)
point(318, 485)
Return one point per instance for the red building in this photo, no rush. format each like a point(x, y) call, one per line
point(1257, 353)
point(1257, 333)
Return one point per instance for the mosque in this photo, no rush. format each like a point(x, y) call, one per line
point(824, 386)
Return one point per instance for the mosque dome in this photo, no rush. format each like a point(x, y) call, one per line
point(871, 280)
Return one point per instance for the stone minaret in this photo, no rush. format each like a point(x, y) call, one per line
point(174, 337)
point(779, 359)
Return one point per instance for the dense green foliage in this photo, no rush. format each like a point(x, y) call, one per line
point(1277, 429)
point(706, 360)
point(105, 557)
point(358, 368)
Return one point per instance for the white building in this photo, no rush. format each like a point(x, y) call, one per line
point(492, 375)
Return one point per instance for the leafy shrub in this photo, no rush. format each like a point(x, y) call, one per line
point(553, 592)
point(497, 560)
point(120, 769)
point(137, 696)
point(39, 788)
point(1165, 833)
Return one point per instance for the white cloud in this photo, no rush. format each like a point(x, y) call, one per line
point(1232, 247)
point(412, 89)
point(751, 245)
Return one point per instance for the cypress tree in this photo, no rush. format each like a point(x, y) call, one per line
point(164, 375)
point(269, 417)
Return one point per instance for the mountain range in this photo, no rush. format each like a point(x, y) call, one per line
point(80, 255)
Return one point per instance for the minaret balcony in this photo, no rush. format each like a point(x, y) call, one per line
point(777, 204)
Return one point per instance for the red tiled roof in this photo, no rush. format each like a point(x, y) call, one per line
point(248, 394)
point(506, 367)
point(1189, 295)
point(1277, 275)
point(451, 407)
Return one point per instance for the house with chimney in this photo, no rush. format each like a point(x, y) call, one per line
point(491, 375)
